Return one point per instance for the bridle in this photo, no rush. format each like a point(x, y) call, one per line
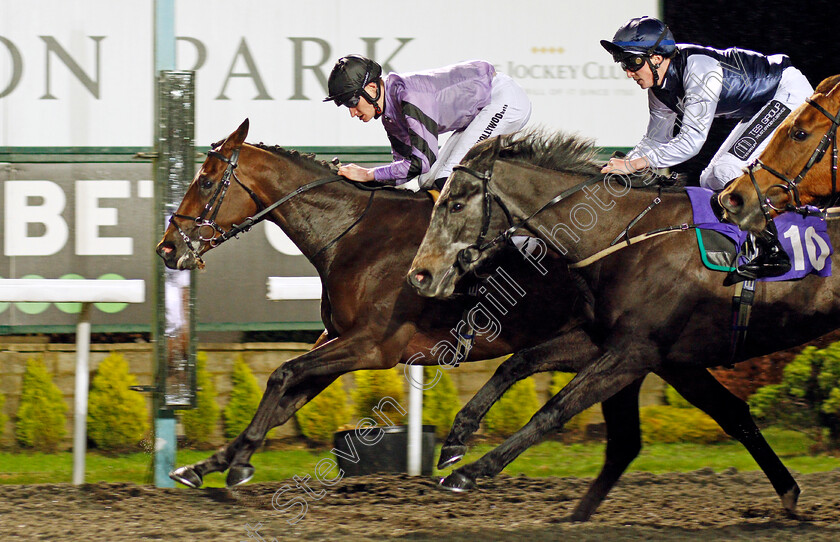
point(471, 253)
point(792, 185)
point(464, 257)
point(216, 235)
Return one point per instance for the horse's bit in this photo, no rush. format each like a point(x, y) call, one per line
point(791, 185)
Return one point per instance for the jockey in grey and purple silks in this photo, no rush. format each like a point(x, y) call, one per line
point(469, 99)
point(420, 106)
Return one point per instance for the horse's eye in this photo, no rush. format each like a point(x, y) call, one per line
point(205, 183)
point(455, 207)
point(799, 135)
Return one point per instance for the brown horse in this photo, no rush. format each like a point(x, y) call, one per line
point(374, 320)
point(655, 306)
point(361, 242)
point(792, 171)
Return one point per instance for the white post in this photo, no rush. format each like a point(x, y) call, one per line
point(415, 420)
point(82, 376)
point(84, 292)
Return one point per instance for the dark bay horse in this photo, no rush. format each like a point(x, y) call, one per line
point(361, 243)
point(374, 320)
point(798, 167)
point(655, 306)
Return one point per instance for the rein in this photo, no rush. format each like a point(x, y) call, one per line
point(792, 185)
point(207, 218)
point(464, 255)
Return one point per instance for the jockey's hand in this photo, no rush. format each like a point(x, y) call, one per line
point(356, 173)
point(624, 165)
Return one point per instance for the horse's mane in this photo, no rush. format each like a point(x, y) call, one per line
point(557, 151)
point(297, 156)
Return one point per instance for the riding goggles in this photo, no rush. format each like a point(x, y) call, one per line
point(352, 101)
point(632, 63)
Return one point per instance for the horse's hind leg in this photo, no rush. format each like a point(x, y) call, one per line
point(702, 390)
point(624, 441)
point(575, 350)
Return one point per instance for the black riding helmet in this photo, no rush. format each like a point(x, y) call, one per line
point(348, 79)
point(638, 39)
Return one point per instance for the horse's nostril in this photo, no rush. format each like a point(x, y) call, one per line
point(419, 277)
point(164, 249)
point(734, 201)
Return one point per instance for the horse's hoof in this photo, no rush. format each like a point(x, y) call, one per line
point(239, 474)
point(790, 498)
point(449, 455)
point(187, 476)
point(457, 482)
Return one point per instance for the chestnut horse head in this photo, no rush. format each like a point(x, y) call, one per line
point(791, 172)
point(237, 186)
point(201, 220)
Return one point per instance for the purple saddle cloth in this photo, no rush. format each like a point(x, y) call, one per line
point(804, 238)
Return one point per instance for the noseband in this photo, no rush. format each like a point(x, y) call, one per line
point(207, 218)
point(791, 185)
point(470, 254)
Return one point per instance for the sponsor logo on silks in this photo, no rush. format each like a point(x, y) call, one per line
point(494, 121)
point(766, 121)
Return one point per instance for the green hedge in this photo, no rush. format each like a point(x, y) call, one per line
point(513, 410)
point(244, 399)
point(808, 397)
point(200, 422)
point(117, 416)
point(371, 388)
point(41, 416)
point(3, 418)
point(668, 424)
point(440, 402)
point(577, 424)
point(322, 416)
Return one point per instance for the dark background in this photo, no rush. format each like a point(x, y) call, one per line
point(808, 31)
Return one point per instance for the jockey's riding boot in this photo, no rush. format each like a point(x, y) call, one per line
point(771, 260)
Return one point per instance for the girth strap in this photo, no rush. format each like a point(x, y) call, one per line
point(742, 302)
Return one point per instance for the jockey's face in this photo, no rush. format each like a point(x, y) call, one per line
point(644, 77)
point(364, 110)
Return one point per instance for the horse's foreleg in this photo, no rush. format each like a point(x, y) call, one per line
point(569, 352)
point(594, 384)
point(309, 373)
point(702, 390)
point(624, 441)
point(193, 475)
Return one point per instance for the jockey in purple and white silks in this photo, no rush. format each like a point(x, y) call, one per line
point(469, 99)
point(688, 86)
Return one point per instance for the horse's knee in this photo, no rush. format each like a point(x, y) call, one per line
point(278, 377)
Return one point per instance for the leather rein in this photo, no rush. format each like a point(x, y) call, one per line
point(471, 253)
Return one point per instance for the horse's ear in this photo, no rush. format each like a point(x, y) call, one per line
point(236, 139)
point(828, 84)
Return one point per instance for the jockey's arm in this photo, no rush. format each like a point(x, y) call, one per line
point(355, 172)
